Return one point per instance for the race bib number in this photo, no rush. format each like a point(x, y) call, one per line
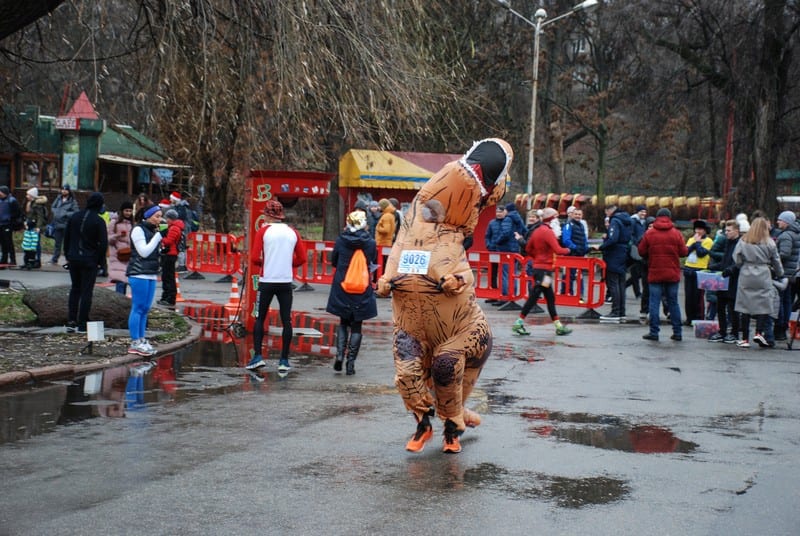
point(414, 262)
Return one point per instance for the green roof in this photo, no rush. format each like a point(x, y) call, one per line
point(124, 140)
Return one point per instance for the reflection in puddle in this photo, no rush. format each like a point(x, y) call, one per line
point(606, 432)
point(445, 474)
point(207, 367)
point(213, 365)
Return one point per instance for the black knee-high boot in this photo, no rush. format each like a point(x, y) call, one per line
point(352, 352)
point(341, 344)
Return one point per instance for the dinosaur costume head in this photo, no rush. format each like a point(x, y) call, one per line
point(458, 192)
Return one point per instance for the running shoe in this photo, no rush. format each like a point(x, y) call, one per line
point(519, 328)
point(256, 362)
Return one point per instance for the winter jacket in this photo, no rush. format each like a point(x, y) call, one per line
point(543, 247)
point(517, 224)
point(86, 235)
point(500, 235)
point(616, 243)
point(662, 247)
point(171, 241)
point(717, 250)
point(9, 210)
point(492, 232)
point(37, 211)
point(147, 265)
point(355, 307)
point(788, 244)
point(385, 230)
point(699, 257)
point(727, 267)
point(372, 222)
point(62, 210)
point(574, 238)
point(119, 236)
point(758, 263)
point(637, 230)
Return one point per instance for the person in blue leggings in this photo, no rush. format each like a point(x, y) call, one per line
point(142, 275)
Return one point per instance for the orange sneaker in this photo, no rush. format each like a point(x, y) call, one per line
point(451, 443)
point(471, 419)
point(423, 434)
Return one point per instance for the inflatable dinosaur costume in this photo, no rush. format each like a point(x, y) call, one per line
point(441, 336)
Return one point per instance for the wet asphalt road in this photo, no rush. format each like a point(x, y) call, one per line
point(595, 433)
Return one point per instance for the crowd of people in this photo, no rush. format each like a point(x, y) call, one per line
point(645, 253)
point(132, 247)
point(757, 261)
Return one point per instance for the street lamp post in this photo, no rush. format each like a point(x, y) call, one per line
point(540, 23)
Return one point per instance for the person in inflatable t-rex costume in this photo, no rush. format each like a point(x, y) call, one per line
point(441, 336)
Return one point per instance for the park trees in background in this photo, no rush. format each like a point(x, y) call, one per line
point(227, 85)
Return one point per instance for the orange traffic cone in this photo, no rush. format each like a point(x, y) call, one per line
point(234, 303)
point(178, 297)
point(233, 300)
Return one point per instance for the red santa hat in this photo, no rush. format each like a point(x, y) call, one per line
point(164, 204)
point(175, 197)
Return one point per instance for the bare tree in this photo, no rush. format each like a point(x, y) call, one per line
point(745, 50)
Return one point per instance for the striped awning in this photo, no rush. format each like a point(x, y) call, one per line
point(363, 168)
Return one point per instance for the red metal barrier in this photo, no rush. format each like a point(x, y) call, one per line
point(317, 269)
point(570, 275)
point(214, 253)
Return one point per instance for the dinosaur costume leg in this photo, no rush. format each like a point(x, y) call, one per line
point(412, 373)
point(455, 368)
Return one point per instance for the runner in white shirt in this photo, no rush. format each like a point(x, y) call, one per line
point(278, 250)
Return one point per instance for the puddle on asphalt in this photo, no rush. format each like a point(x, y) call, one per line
point(213, 365)
point(448, 474)
point(605, 432)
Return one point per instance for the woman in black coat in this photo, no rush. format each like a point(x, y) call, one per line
point(352, 309)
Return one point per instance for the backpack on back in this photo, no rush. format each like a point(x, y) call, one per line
point(356, 280)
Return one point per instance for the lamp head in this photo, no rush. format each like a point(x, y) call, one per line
point(540, 14)
point(586, 4)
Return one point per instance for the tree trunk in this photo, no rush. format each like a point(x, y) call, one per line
point(770, 95)
point(602, 149)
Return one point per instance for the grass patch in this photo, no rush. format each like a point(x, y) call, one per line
point(174, 325)
point(13, 312)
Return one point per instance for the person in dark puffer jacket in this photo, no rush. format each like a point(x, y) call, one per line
point(726, 299)
point(788, 243)
point(615, 254)
point(352, 309)
point(86, 239)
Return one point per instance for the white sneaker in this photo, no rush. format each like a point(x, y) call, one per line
point(146, 344)
point(138, 347)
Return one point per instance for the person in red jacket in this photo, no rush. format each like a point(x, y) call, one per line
point(542, 247)
point(662, 247)
point(169, 257)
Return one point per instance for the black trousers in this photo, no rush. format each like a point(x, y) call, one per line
point(263, 299)
point(83, 276)
point(540, 290)
point(169, 289)
point(7, 245)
